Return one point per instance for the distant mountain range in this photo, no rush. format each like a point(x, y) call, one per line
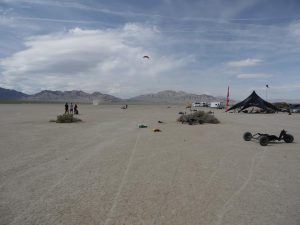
point(168, 96)
point(76, 96)
point(7, 94)
point(291, 101)
point(175, 97)
point(57, 96)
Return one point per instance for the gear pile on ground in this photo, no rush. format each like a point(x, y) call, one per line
point(198, 117)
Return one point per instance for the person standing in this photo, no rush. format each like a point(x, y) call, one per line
point(76, 109)
point(289, 110)
point(71, 108)
point(66, 108)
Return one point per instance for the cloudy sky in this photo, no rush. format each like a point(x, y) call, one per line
point(197, 46)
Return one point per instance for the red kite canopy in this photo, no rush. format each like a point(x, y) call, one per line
point(146, 57)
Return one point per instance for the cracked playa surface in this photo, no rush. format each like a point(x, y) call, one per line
point(107, 171)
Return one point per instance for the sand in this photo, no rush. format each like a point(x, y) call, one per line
point(107, 171)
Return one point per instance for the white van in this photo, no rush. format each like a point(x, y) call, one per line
point(199, 104)
point(196, 104)
point(217, 105)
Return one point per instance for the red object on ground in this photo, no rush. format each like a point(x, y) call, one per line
point(227, 100)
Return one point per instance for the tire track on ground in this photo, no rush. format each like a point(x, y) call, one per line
point(123, 181)
point(235, 194)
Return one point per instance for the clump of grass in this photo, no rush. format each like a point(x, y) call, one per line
point(66, 118)
point(198, 117)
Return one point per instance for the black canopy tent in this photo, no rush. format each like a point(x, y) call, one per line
point(254, 101)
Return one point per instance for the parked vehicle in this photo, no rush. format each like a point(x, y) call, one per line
point(199, 104)
point(297, 110)
point(217, 105)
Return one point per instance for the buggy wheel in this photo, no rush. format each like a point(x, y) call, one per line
point(247, 136)
point(263, 140)
point(288, 138)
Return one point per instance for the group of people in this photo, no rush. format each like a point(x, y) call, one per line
point(72, 110)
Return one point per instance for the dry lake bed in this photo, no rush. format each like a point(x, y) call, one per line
point(105, 170)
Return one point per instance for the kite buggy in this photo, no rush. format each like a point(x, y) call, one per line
point(264, 139)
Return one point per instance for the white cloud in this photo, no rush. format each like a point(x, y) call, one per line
point(253, 75)
point(289, 87)
point(5, 21)
point(294, 30)
point(244, 63)
point(109, 60)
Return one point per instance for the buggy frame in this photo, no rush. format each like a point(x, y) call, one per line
point(264, 139)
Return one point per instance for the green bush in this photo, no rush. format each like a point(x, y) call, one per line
point(66, 118)
point(198, 117)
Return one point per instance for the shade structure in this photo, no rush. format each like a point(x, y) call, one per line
point(254, 101)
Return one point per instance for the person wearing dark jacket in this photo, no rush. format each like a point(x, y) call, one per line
point(66, 108)
point(76, 109)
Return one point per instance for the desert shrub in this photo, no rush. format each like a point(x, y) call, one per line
point(211, 119)
point(66, 118)
point(198, 117)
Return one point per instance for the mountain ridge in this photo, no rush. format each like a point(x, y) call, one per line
point(74, 95)
point(166, 96)
point(170, 96)
point(10, 94)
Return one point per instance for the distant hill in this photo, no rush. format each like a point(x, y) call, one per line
point(162, 97)
point(175, 97)
point(7, 94)
point(76, 96)
point(291, 101)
